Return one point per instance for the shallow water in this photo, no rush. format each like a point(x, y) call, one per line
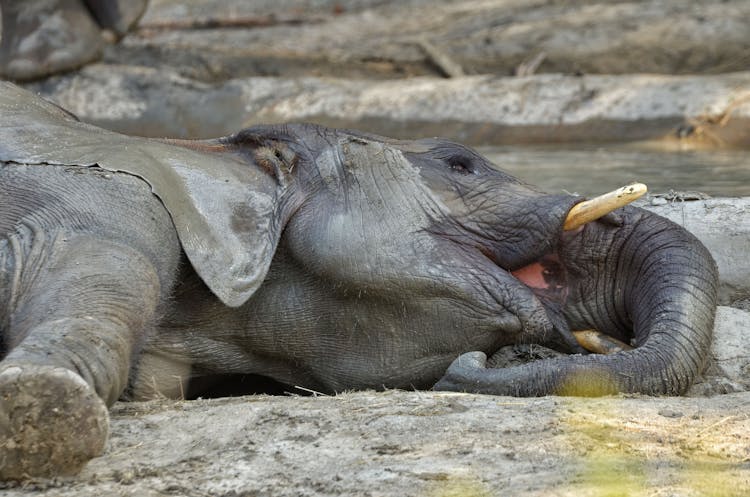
point(594, 169)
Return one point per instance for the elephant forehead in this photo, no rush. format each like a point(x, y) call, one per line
point(329, 168)
point(346, 249)
point(381, 215)
point(365, 156)
point(394, 186)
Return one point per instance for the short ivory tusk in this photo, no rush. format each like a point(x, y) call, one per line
point(586, 212)
point(599, 343)
point(591, 210)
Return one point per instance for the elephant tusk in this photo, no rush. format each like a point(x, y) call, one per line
point(599, 343)
point(586, 212)
point(591, 210)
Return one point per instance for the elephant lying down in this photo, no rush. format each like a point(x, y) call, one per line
point(323, 258)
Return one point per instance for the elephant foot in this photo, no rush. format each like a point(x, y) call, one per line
point(51, 422)
point(40, 38)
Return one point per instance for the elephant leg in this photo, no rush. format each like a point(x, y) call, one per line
point(78, 306)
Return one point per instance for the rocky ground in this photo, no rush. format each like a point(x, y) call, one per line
point(483, 72)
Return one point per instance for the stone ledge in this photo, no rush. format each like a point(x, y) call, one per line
point(723, 225)
point(473, 109)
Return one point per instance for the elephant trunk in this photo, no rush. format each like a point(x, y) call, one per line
point(672, 301)
point(665, 290)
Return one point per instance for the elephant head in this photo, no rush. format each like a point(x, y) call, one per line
point(422, 250)
point(451, 248)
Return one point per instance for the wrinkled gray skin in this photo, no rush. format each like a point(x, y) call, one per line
point(43, 37)
point(322, 258)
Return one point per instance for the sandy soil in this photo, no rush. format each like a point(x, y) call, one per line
point(400, 443)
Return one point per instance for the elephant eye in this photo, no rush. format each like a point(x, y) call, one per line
point(461, 165)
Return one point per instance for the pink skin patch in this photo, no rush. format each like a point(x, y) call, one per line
point(547, 277)
point(531, 276)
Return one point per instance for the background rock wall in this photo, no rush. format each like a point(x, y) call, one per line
point(590, 70)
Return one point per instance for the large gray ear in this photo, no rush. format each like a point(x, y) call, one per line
point(226, 211)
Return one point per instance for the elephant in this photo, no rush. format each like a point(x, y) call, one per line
point(322, 258)
point(42, 37)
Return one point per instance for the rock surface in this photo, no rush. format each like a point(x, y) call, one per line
point(471, 109)
point(729, 366)
point(383, 38)
point(723, 225)
point(199, 69)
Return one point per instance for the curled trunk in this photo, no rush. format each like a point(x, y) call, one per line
point(660, 291)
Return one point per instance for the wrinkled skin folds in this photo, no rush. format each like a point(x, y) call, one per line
point(320, 258)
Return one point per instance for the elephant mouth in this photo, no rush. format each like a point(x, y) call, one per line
point(547, 277)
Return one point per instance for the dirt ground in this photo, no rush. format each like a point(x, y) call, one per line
point(398, 443)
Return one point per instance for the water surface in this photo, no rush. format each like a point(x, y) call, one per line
point(593, 169)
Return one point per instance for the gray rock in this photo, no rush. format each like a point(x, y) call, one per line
point(723, 225)
point(729, 367)
point(473, 109)
point(224, 63)
point(147, 102)
point(42, 37)
point(370, 38)
point(118, 15)
point(398, 443)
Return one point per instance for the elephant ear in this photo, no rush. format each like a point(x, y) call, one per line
point(225, 210)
